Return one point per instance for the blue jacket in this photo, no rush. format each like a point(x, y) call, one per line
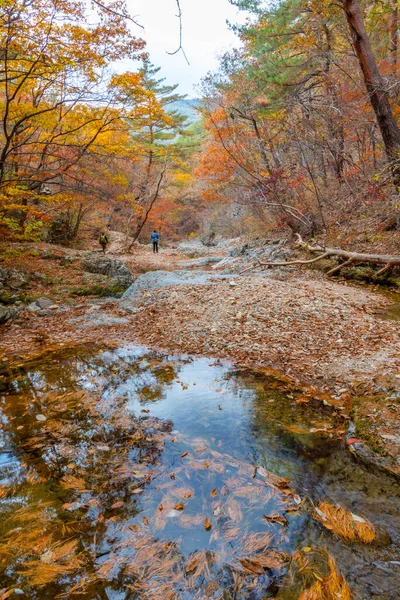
point(155, 237)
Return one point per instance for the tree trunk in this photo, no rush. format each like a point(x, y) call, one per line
point(394, 32)
point(378, 96)
point(148, 211)
point(335, 123)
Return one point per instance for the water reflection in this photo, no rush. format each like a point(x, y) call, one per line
point(126, 474)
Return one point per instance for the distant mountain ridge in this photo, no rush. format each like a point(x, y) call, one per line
point(187, 107)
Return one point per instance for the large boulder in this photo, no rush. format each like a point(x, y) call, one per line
point(112, 267)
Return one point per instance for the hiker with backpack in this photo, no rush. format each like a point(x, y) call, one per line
point(155, 238)
point(103, 241)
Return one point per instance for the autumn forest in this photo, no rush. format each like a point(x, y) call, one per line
point(199, 301)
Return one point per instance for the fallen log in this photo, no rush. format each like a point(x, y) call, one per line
point(387, 260)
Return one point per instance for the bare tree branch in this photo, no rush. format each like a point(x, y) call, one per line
point(117, 14)
point(180, 49)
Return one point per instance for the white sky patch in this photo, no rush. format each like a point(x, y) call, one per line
point(205, 37)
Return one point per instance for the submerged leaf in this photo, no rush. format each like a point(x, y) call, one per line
point(276, 519)
point(252, 566)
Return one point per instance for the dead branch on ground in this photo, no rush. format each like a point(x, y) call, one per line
point(387, 260)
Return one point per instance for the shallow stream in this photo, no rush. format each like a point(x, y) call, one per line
point(129, 474)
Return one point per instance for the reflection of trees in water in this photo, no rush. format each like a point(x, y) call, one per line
point(74, 520)
point(84, 466)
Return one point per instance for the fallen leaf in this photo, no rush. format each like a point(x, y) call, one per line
point(184, 454)
point(207, 525)
point(252, 566)
point(193, 564)
point(118, 504)
point(133, 527)
point(214, 493)
point(105, 568)
point(276, 519)
point(4, 593)
point(145, 520)
point(179, 506)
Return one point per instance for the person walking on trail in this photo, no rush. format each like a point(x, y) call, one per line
point(155, 238)
point(103, 241)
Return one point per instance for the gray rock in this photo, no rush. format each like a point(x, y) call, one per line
point(159, 279)
point(50, 255)
point(13, 278)
point(67, 261)
point(40, 277)
point(7, 314)
point(44, 302)
point(94, 278)
point(113, 267)
point(41, 304)
point(209, 239)
point(8, 297)
point(201, 262)
point(195, 249)
point(227, 263)
point(96, 319)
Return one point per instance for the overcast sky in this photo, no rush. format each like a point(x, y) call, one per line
point(205, 36)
